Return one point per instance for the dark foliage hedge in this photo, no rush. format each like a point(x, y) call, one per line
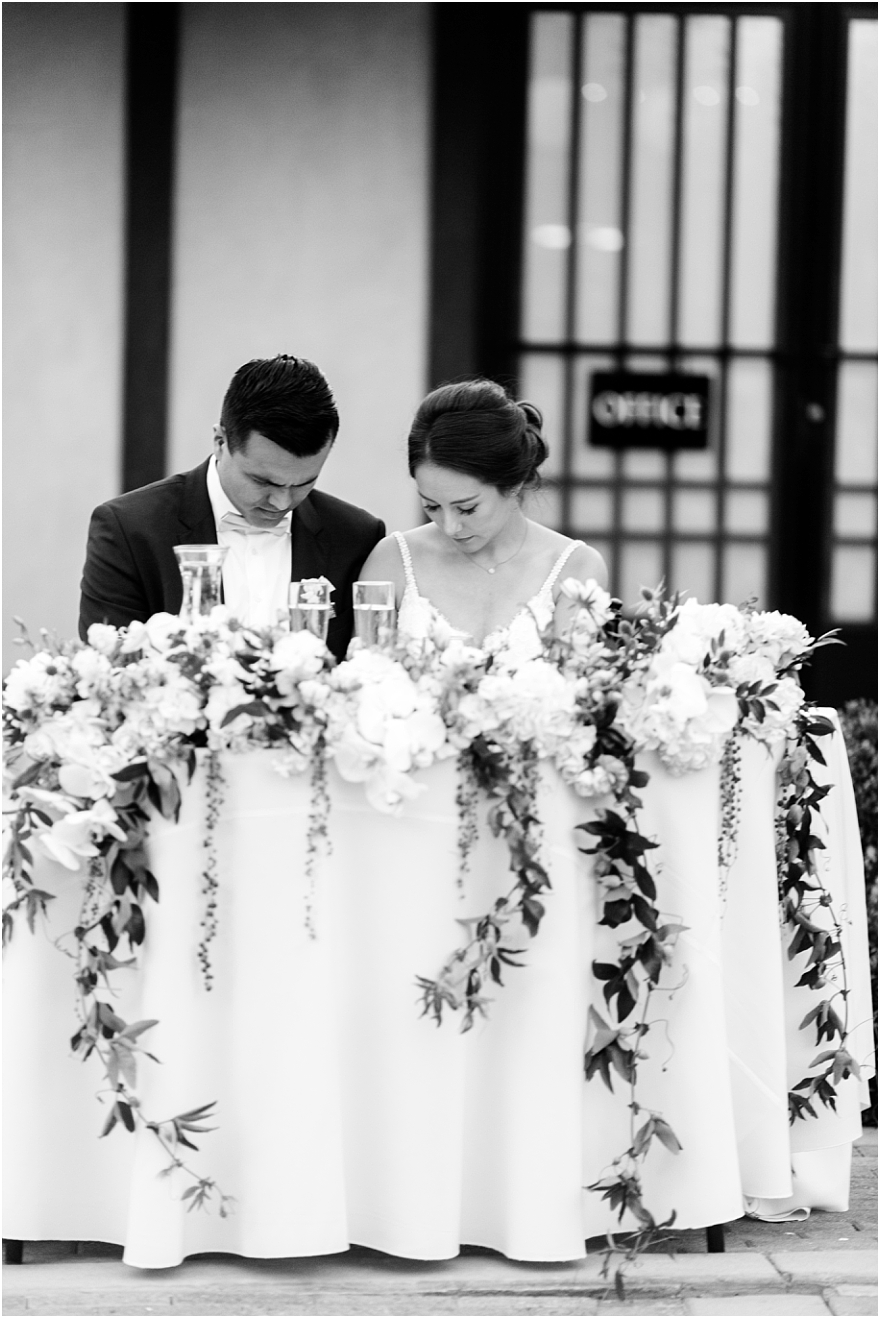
point(859, 721)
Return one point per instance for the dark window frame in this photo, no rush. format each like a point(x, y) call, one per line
point(480, 73)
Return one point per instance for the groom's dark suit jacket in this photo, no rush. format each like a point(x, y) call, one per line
point(131, 572)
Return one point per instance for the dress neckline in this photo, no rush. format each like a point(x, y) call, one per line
point(412, 590)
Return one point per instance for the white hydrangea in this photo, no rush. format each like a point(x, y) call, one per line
point(778, 636)
point(700, 630)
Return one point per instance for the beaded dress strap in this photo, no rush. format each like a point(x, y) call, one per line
point(407, 561)
point(560, 564)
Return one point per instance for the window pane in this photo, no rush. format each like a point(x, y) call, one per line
point(600, 240)
point(858, 312)
point(705, 96)
point(745, 512)
point(855, 515)
point(755, 180)
point(653, 149)
point(701, 465)
point(643, 510)
point(856, 455)
point(853, 584)
point(643, 464)
point(744, 574)
point(588, 461)
point(694, 510)
point(547, 237)
point(641, 564)
point(541, 383)
point(591, 510)
point(749, 404)
point(693, 570)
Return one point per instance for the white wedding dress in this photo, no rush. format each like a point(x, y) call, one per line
point(416, 611)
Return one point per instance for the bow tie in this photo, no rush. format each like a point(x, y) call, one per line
point(235, 522)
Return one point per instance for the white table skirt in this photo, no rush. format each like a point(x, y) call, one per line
point(345, 1117)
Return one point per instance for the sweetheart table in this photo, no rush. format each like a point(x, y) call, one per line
point(344, 1116)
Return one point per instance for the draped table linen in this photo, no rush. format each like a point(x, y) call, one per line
point(344, 1116)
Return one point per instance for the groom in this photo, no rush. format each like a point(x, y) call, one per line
point(255, 495)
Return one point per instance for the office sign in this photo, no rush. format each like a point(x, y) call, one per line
point(640, 410)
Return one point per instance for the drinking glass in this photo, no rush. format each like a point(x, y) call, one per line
point(201, 573)
point(374, 612)
point(310, 607)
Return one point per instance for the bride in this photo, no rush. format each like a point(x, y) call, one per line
point(479, 562)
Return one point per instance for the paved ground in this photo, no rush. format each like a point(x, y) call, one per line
point(826, 1265)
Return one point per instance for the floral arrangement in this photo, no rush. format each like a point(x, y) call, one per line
point(101, 734)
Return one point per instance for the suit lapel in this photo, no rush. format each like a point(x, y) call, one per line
point(308, 557)
point(195, 513)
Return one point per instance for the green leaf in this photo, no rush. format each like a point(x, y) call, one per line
point(138, 769)
point(254, 708)
point(110, 1122)
point(135, 1030)
point(644, 912)
point(666, 1135)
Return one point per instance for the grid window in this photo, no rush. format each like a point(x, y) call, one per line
point(853, 586)
point(649, 244)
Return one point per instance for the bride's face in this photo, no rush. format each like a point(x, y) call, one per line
point(465, 509)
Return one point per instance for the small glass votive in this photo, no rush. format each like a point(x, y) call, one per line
point(201, 571)
point(374, 614)
point(309, 606)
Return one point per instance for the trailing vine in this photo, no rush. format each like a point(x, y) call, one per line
point(118, 885)
point(803, 896)
point(466, 797)
point(317, 835)
point(629, 903)
point(511, 785)
point(214, 787)
point(731, 809)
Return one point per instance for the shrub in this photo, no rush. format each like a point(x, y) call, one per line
point(859, 721)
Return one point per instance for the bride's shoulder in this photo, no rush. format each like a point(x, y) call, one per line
point(385, 562)
point(583, 562)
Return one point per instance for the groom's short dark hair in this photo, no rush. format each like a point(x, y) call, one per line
point(284, 398)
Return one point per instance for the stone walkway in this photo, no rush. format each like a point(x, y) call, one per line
point(826, 1265)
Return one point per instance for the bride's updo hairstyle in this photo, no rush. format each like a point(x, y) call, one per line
point(476, 428)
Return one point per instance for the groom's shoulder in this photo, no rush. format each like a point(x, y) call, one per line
point(170, 489)
point(337, 512)
point(168, 493)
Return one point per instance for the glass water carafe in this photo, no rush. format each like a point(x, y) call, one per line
point(201, 571)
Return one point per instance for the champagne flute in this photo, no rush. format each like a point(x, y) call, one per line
point(374, 612)
point(309, 606)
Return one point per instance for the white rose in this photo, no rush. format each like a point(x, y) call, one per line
point(296, 655)
point(102, 637)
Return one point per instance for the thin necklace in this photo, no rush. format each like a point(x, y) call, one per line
point(492, 570)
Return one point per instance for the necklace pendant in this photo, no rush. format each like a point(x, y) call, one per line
point(491, 571)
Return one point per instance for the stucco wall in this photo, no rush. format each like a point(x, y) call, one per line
point(62, 280)
point(301, 222)
point(301, 225)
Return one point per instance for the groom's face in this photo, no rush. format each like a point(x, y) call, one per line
point(262, 479)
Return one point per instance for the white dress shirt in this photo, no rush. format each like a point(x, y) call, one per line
point(256, 569)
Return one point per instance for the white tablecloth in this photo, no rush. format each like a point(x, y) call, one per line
point(345, 1117)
